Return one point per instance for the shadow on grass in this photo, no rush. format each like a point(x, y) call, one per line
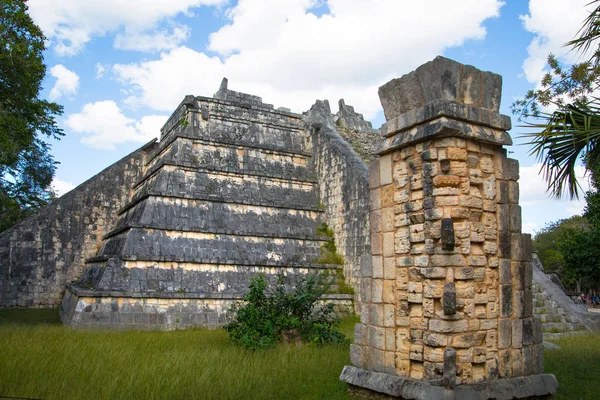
point(29, 316)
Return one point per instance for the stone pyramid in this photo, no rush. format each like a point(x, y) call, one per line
point(227, 193)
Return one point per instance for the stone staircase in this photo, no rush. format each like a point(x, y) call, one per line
point(556, 321)
point(229, 192)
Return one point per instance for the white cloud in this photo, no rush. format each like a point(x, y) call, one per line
point(533, 187)
point(70, 24)
point(530, 227)
point(100, 70)
point(103, 125)
point(534, 195)
point(67, 82)
point(554, 23)
point(158, 40)
point(162, 84)
point(291, 57)
point(61, 187)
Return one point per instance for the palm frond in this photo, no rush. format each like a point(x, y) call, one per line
point(588, 33)
point(561, 140)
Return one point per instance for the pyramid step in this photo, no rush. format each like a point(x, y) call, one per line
point(165, 245)
point(216, 217)
point(556, 327)
point(540, 303)
point(577, 326)
point(255, 133)
point(198, 153)
point(542, 317)
point(540, 310)
point(554, 317)
point(551, 336)
point(189, 279)
point(227, 187)
point(211, 108)
point(110, 310)
point(539, 297)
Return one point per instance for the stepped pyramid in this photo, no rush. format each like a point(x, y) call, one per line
point(556, 321)
point(559, 314)
point(228, 192)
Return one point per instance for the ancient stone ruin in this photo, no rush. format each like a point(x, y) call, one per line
point(446, 304)
point(430, 235)
point(170, 236)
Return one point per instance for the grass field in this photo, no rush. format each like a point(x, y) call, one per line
point(41, 359)
point(576, 366)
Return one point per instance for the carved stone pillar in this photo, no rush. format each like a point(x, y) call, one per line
point(446, 304)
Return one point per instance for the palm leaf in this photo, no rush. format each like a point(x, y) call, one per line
point(564, 137)
point(589, 33)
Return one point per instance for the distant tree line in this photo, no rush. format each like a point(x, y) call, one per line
point(571, 247)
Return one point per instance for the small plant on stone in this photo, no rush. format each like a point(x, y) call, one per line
point(340, 282)
point(268, 316)
point(329, 254)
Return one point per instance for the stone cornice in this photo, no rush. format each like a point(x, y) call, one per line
point(445, 108)
point(444, 127)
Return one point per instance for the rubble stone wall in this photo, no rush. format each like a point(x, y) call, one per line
point(41, 254)
point(343, 190)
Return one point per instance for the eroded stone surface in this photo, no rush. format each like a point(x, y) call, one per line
point(234, 188)
point(463, 272)
point(538, 385)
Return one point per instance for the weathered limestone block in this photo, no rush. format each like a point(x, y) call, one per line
point(463, 299)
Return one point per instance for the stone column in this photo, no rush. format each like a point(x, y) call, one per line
point(446, 304)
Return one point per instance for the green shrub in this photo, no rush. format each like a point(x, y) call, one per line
point(263, 318)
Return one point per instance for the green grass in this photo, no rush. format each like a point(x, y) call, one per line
point(39, 358)
point(576, 366)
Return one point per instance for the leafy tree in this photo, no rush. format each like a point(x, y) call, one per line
point(572, 131)
point(592, 197)
point(26, 166)
point(570, 248)
point(546, 242)
point(581, 255)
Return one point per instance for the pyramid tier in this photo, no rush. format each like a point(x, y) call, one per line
point(249, 133)
point(199, 153)
point(216, 217)
point(211, 108)
point(228, 193)
point(170, 279)
point(190, 183)
point(200, 247)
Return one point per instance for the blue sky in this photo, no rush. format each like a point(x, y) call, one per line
point(120, 68)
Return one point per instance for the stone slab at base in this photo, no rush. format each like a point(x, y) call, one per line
point(533, 386)
point(156, 311)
